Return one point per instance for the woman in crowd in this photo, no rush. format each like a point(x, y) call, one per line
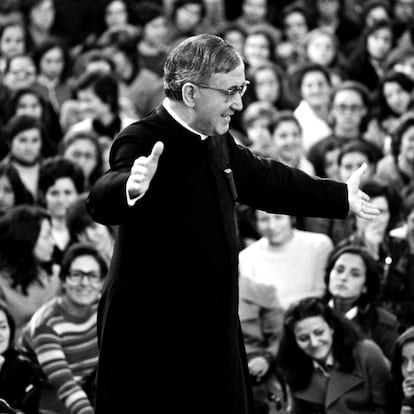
point(39, 16)
point(353, 283)
point(314, 86)
point(402, 370)
point(62, 334)
point(395, 169)
point(116, 13)
point(142, 88)
point(60, 183)
point(20, 381)
point(12, 42)
point(374, 235)
point(152, 46)
point(83, 149)
point(53, 66)
point(267, 85)
point(259, 49)
point(331, 15)
point(322, 48)
point(367, 60)
point(327, 366)
point(27, 277)
point(393, 101)
point(25, 138)
point(29, 101)
point(12, 191)
point(287, 145)
point(398, 290)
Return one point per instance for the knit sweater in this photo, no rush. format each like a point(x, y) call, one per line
point(67, 350)
point(295, 269)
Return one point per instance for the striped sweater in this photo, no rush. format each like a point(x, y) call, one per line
point(66, 348)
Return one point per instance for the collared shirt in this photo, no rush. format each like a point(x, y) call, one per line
point(325, 368)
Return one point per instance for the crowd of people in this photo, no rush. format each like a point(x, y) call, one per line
point(326, 305)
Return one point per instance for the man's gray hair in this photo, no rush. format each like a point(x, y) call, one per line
point(195, 60)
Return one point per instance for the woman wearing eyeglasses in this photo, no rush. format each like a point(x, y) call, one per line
point(62, 334)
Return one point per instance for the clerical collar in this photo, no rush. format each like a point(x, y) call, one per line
point(167, 106)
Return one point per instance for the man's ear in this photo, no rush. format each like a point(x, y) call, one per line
point(188, 92)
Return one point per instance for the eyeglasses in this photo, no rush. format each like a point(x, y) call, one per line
point(76, 276)
point(351, 108)
point(231, 92)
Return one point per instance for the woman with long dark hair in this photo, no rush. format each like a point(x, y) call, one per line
point(353, 282)
point(27, 277)
point(327, 366)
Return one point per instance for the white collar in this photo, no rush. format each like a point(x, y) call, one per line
point(167, 106)
point(351, 312)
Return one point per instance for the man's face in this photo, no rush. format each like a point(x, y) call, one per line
point(213, 109)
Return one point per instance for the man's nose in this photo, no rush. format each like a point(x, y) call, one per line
point(237, 104)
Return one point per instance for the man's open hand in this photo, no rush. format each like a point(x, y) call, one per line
point(143, 170)
point(358, 201)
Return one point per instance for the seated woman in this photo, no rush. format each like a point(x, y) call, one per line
point(60, 183)
point(27, 278)
point(62, 334)
point(19, 379)
point(327, 366)
point(402, 370)
point(83, 149)
point(287, 143)
point(352, 280)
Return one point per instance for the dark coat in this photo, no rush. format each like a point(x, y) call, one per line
point(364, 390)
point(170, 338)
